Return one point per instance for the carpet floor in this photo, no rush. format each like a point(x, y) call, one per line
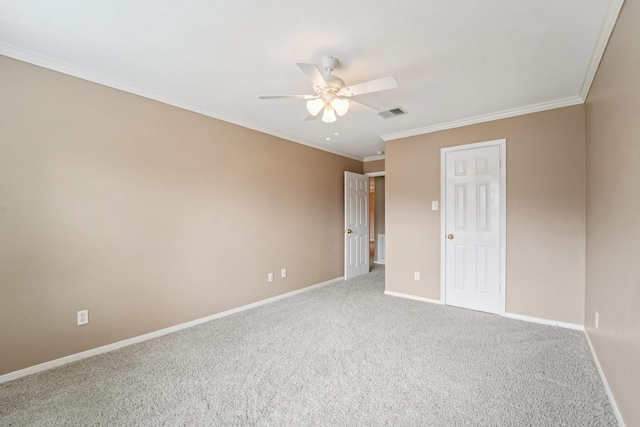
point(339, 355)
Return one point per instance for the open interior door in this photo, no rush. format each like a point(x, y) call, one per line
point(356, 225)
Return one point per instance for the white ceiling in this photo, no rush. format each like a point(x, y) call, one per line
point(457, 61)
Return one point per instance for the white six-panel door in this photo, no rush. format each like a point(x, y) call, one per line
point(356, 224)
point(472, 228)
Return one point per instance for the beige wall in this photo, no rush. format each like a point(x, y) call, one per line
point(146, 215)
point(374, 166)
point(545, 211)
point(613, 213)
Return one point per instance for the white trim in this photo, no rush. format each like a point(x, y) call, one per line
point(378, 262)
point(603, 38)
point(135, 340)
point(542, 321)
point(397, 294)
point(535, 108)
point(601, 44)
point(606, 30)
point(502, 143)
point(81, 73)
point(375, 174)
point(374, 158)
point(607, 389)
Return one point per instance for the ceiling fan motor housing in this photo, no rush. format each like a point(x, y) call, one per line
point(334, 84)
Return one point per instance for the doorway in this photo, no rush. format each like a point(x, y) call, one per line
point(377, 217)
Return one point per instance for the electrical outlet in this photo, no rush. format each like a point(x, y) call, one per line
point(283, 273)
point(416, 275)
point(83, 317)
point(270, 277)
point(596, 321)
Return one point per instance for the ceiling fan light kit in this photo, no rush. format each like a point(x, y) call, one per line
point(341, 105)
point(329, 115)
point(331, 94)
point(314, 106)
point(331, 104)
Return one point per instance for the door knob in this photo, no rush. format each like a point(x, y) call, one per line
point(348, 230)
point(450, 236)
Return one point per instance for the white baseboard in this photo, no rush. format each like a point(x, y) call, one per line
point(397, 294)
point(566, 325)
point(616, 411)
point(110, 347)
point(378, 262)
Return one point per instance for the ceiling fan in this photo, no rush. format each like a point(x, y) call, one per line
point(331, 95)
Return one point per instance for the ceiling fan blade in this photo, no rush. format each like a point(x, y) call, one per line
point(383, 83)
point(287, 96)
point(314, 75)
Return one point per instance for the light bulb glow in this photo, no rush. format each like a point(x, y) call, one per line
point(314, 106)
point(341, 105)
point(329, 115)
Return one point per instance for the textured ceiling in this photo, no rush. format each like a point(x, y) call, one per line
point(457, 62)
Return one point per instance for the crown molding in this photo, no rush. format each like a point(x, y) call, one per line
point(601, 44)
point(535, 108)
point(81, 73)
point(603, 39)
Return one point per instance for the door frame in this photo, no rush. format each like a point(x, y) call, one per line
point(502, 143)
